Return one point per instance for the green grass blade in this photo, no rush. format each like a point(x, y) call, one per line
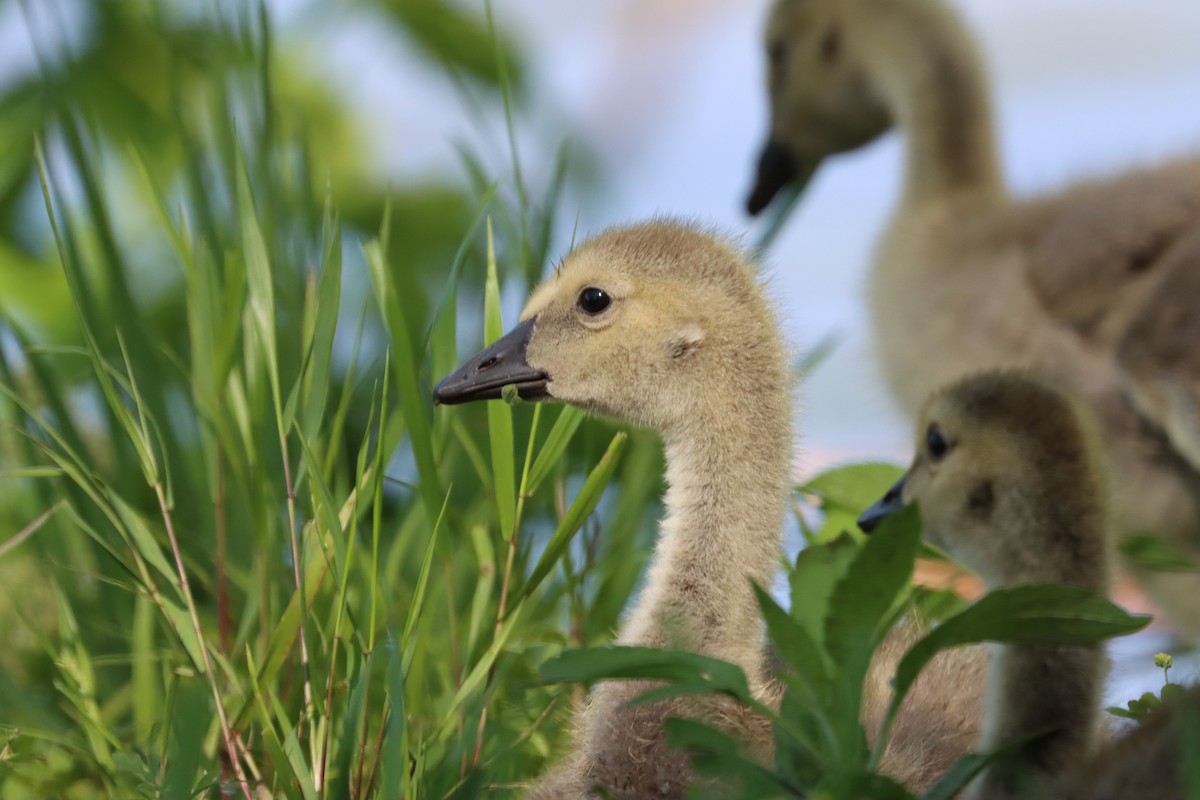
point(394, 751)
point(418, 600)
point(583, 505)
point(500, 425)
point(561, 433)
point(411, 392)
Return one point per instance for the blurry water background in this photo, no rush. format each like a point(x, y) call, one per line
point(667, 101)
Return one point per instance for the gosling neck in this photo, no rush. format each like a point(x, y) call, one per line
point(929, 73)
point(1033, 689)
point(728, 471)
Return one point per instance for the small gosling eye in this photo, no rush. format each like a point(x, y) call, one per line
point(777, 53)
point(593, 300)
point(936, 443)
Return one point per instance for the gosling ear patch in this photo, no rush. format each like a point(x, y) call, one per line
point(686, 340)
point(982, 498)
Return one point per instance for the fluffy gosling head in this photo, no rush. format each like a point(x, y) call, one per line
point(821, 99)
point(1008, 482)
point(656, 324)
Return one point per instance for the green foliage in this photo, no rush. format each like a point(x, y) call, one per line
point(846, 595)
point(1140, 707)
point(1151, 552)
point(250, 556)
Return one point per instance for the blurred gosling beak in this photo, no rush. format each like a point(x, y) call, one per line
point(500, 364)
point(889, 503)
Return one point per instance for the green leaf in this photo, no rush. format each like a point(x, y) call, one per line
point(796, 648)
point(583, 505)
point(188, 718)
point(260, 283)
point(411, 391)
point(690, 670)
point(854, 488)
point(418, 598)
point(318, 377)
point(881, 569)
point(1155, 553)
point(500, 426)
point(859, 783)
point(818, 569)
point(1042, 614)
point(394, 750)
point(145, 543)
point(968, 766)
point(715, 754)
point(569, 420)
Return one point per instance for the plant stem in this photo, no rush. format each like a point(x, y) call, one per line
point(226, 731)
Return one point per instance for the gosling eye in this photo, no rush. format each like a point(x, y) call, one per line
point(593, 300)
point(936, 443)
point(777, 53)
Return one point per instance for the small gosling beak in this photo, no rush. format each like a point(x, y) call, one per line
point(500, 364)
point(778, 167)
point(891, 502)
point(775, 168)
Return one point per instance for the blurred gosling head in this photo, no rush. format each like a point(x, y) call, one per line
point(1007, 477)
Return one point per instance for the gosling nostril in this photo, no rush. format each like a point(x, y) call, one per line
point(487, 364)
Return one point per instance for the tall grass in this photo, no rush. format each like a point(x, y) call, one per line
point(251, 556)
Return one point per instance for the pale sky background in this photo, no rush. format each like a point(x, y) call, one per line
point(669, 95)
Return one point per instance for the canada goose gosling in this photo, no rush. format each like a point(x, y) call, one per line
point(1094, 287)
point(666, 326)
point(1008, 482)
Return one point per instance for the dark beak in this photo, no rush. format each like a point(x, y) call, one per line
point(777, 167)
point(498, 365)
point(889, 503)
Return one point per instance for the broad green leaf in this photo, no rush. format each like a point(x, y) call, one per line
point(1188, 725)
point(350, 732)
point(649, 663)
point(854, 488)
point(955, 779)
point(860, 783)
point(881, 569)
point(260, 283)
point(795, 647)
point(1155, 553)
point(716, 754)
point(818, 569)
point(1042, 614)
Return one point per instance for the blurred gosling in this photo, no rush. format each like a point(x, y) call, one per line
point(1094, 288)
